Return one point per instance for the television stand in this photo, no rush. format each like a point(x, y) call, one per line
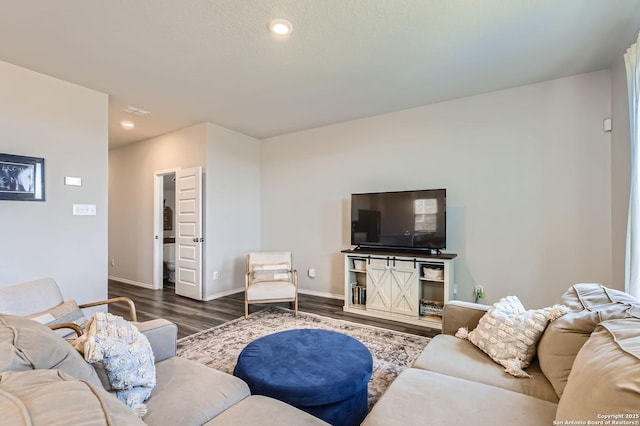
point(398, 285)
point(400, 251)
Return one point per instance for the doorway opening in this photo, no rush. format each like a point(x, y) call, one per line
point(184, 241)
point(168, 229)
point(164, 230)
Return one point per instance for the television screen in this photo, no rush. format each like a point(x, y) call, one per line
point(403, 219)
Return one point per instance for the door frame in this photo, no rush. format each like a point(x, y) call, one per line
point(158, 224)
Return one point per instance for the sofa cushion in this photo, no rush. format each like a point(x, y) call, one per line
point(187, 393)
point(262, 410)
point(27, 345)
point(162, 336)
point(420, 397)
point(50, 397)
point(565, 336)
point(460, 358)
point(266, 290)
point(604, 378)
point(508, 333)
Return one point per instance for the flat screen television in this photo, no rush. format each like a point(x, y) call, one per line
point(400, 220)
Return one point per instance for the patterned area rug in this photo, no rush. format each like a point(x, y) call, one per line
point(219, 347)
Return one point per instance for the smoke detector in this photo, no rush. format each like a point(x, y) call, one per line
point(135, 111)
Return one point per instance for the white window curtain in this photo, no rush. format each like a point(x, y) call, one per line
point(632, 261)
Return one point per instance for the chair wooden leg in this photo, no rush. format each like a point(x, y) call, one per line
point(246, 309)
point(295, 310)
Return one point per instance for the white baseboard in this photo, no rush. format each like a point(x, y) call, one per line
point(321, 294)
point(232, 291)
point(136, 283)
point(301, 291)
point(222, 294)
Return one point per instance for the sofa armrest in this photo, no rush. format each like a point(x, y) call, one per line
point(458, 314)
point(162, 335)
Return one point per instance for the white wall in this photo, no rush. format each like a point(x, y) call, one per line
point(231, 164)
point(66, 124)
point(620, 169)
point(131, 186)
point(232, 208)
point(527, 172)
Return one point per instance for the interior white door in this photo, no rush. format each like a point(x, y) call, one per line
point(189, 240)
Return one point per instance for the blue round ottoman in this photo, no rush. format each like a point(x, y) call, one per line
point(321, 372)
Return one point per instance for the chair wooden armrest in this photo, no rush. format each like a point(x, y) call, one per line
point(247, 279)
point(132, 306)
point(74, 327)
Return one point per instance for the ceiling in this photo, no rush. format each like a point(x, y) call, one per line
point(193, 61)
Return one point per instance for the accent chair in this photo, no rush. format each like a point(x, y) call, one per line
point(270, 278)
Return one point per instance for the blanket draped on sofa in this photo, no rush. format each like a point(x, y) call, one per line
point(125, 354)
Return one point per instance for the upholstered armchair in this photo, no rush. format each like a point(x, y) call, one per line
point(42, 301)
point(270, 277)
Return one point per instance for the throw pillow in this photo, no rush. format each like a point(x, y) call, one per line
point(270, 272)
point(64, 312)
point(28, 345)
point(508, 333)
point(564, 337)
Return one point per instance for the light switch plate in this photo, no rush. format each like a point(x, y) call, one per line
point(84, 209)
point(72, 181)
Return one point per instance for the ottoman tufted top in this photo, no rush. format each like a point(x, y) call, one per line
point(305, 367)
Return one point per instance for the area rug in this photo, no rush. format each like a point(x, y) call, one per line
point(219, 347)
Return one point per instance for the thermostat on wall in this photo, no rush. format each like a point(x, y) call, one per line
point(72, 181)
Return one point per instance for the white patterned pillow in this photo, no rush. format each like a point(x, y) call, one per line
point(509, 334)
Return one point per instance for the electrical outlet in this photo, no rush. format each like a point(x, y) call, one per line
point(216, 275)
point(479, 291)
point(113, 262)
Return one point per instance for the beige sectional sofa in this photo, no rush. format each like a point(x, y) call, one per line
point(45, 381)
point(587, 369)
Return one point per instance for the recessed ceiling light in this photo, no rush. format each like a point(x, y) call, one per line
point(127, 125)
point(280, 27)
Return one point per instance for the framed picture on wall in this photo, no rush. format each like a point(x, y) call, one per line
point(21, 178)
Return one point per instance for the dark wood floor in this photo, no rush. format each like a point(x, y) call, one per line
point(192, 316)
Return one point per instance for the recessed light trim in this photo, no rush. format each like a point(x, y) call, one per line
point(280, 27)
point(127, 125)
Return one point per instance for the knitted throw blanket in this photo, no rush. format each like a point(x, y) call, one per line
point(126, 355)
